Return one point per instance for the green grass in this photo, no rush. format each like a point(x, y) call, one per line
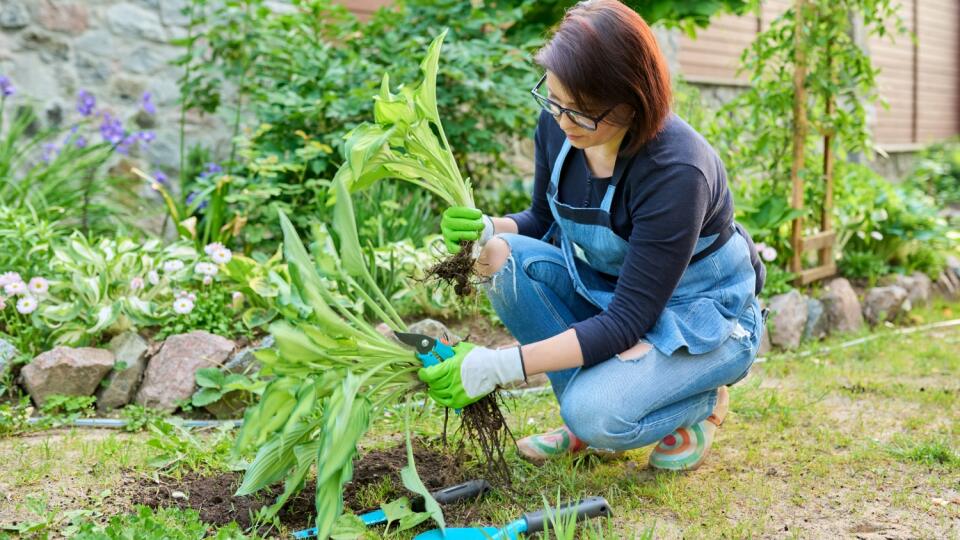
point(830, 445)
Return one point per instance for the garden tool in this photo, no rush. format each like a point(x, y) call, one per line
point(448, 495)
point(430, 351)
point(530, 522)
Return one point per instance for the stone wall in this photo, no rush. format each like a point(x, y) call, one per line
point(114, 49)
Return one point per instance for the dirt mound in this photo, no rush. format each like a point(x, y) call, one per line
point(212, 496)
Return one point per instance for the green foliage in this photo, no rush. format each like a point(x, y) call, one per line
point(180, 449)
point(937, 172)
point(138, 417)
point(934, 451)
point(212, 312)
point(540, 15)
point(881, 225)
point(27, 238)
point(309, 72)
point(214, 384)
point(14, 417)
point(160, 524)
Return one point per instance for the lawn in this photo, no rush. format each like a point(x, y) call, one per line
point(859, 442)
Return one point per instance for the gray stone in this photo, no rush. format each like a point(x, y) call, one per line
point(885, 303)
point(171, 374)
point(148, 59)
point(8, 353)
point(765, 345)
point(96, 42)
point(918, 287)
point(816, 327)
point(130, 353)
point(13, 15)
point(434, 329)
point(133, 21)
point(171, 13)
point(66, 371)
point(842, 307)
point(245, 360)
point(164, 151)
point(92, 71)
point(788, 317)
point(51, 49)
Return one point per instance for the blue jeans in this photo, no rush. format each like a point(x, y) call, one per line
point(621, 403)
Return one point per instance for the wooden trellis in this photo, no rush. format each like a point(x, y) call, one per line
point(823, 241)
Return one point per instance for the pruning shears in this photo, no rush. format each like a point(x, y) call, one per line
point(430, 351)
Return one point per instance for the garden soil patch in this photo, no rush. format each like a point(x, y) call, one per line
point(212, 496)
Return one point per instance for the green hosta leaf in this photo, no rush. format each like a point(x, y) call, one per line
point(412, 481)
point(273, 461)
point(205, 396)
point(426, 96)
point(210, 377)
point(263, 287)
point(106, 316)
point(397, 509)
point(393, 109)
point(256, 317)
point(413, 519)
point(67, 311)
point(349, 527)
point(345, 223)
point(306, 277)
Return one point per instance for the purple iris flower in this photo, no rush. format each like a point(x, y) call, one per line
point(6, 87)
point(147, 103)
point(192, 197)
point(111, 129)
point(85, 103)
point(211, 169)
point(50, 151)
point(162, 178)
point(125, 144)
point(147, 136)
point(80, 142)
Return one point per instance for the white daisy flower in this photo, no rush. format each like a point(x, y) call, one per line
point(153, 277)
point(38, 285)
point(15, 289)
point(876, 235)
point(183, 305)
point(210, 248)
point(9, 277)
point(27, 304)
point(207, 280)
point(172, 266)
point(136, 283)
point(768, 253)
point(205, 268)
point(222, 256)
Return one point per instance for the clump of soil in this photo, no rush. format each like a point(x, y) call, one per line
point(456, 270)
point(212, 496)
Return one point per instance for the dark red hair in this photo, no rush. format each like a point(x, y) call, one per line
point(605, 55)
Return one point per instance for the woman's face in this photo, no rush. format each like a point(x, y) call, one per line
point(579, 136)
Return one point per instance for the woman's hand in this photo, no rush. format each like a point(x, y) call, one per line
point(471, 373)
point(461, 223)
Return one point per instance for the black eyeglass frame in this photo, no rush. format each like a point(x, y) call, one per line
point(572, 114)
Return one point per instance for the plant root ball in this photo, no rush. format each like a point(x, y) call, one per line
point(456, 270)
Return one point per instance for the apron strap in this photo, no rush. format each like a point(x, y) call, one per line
point(718, 243)
point(557, 165)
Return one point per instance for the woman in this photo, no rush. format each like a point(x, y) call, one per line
point(626, 281)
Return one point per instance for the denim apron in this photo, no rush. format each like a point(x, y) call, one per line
point(713, 292)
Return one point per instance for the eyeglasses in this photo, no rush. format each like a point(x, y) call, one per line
point(555, 109)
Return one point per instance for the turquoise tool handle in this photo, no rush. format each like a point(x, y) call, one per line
point(428, 360)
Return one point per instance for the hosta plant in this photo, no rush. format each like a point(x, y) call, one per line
point(333, 372)
point(407, 142)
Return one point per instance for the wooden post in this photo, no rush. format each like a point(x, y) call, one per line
point(799, 136)
point(826, 216)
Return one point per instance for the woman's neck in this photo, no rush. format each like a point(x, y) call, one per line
point(603, 157)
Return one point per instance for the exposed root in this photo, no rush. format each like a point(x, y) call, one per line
point(456, 270)
point(484, 425)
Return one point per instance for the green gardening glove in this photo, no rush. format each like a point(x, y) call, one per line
point(461, 223)
point(471, 373)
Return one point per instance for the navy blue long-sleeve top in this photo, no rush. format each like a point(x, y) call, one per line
point(674, 192)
